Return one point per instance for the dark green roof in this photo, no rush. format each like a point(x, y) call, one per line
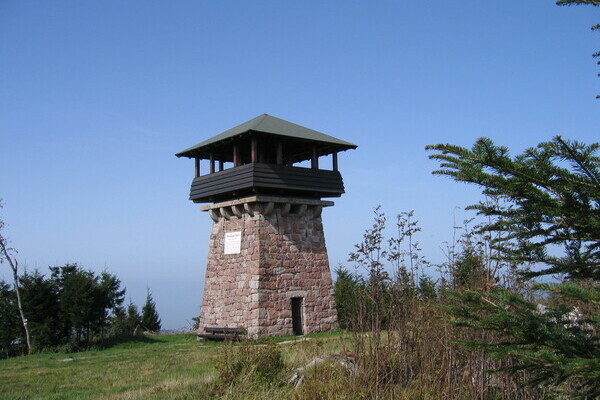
point(271, 125)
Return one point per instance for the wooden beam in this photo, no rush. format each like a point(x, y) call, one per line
point(279, 153)
point(254, 150)
point(236, 155)
point(335, 160)
point(314, 163)
point(212, 163)
point(221, 165)
point(197, 166)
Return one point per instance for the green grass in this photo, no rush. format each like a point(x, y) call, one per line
point(144, 368)
point(158, 367)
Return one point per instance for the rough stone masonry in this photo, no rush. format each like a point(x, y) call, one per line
point(282, 255)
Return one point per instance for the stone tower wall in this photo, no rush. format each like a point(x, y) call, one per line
point(282, 256)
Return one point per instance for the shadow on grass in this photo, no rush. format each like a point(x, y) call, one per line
point(127, 341)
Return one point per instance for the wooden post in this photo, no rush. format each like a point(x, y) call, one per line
point(212, 163)
point(335, 161)
point(197, 165)
point(236, 155)
point(254, 150)
point(314, 164)
point(221, 165)
point(279, 153)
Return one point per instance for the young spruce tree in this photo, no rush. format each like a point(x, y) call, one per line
point(549, 199)
point(150, 319)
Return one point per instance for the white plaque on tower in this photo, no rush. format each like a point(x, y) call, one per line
point(233, 243)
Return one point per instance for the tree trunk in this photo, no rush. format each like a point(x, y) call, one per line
point(14, 265)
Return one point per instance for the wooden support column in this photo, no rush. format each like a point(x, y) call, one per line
point(314, 164)
point(335, 160)
point(197, 166)
point(254, 150)
point(236, 155)
point(279, 153)
point(212, 163)
point(221, 165)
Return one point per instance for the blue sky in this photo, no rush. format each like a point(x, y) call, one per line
point(97, 97)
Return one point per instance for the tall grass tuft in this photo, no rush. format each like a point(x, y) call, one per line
point(258, 364)
point(406, 344)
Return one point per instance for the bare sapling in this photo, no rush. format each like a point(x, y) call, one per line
point(7, 253)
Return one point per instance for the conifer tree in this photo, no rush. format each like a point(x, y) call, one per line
point(346, 292)
point(134, 319)
point(40, 295)
point(9, 323)
point(548, 198)
point(150, 318)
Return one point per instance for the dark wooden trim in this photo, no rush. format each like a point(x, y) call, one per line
point(212, 163)
point(221, 165)
point(335, 160)
point(197, 167)
point(279, 152)
point(236, 155)
point(314, 163)
point(267, 179)
point(254, 150)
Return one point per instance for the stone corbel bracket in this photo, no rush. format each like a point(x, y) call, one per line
point(266, 205)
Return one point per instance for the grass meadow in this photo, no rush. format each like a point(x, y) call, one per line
point(148, 367)
point(401, 364)
point(156, 367)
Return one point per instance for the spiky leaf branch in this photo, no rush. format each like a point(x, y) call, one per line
point(551, 197)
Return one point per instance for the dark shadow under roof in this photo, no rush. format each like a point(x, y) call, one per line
point(271, 125)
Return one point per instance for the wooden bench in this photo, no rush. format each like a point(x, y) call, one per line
point(215, 333)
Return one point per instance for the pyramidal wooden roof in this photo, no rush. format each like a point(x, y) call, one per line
point(271, 125)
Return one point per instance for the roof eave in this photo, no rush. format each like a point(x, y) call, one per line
point(189, 152)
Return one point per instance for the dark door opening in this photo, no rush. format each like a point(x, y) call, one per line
point(297, 316)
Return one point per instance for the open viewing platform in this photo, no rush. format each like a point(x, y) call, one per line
point(261, 157)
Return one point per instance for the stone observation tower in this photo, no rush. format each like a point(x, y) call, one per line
point(267, 271)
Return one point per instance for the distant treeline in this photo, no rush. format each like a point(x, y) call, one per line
point(70, 309)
